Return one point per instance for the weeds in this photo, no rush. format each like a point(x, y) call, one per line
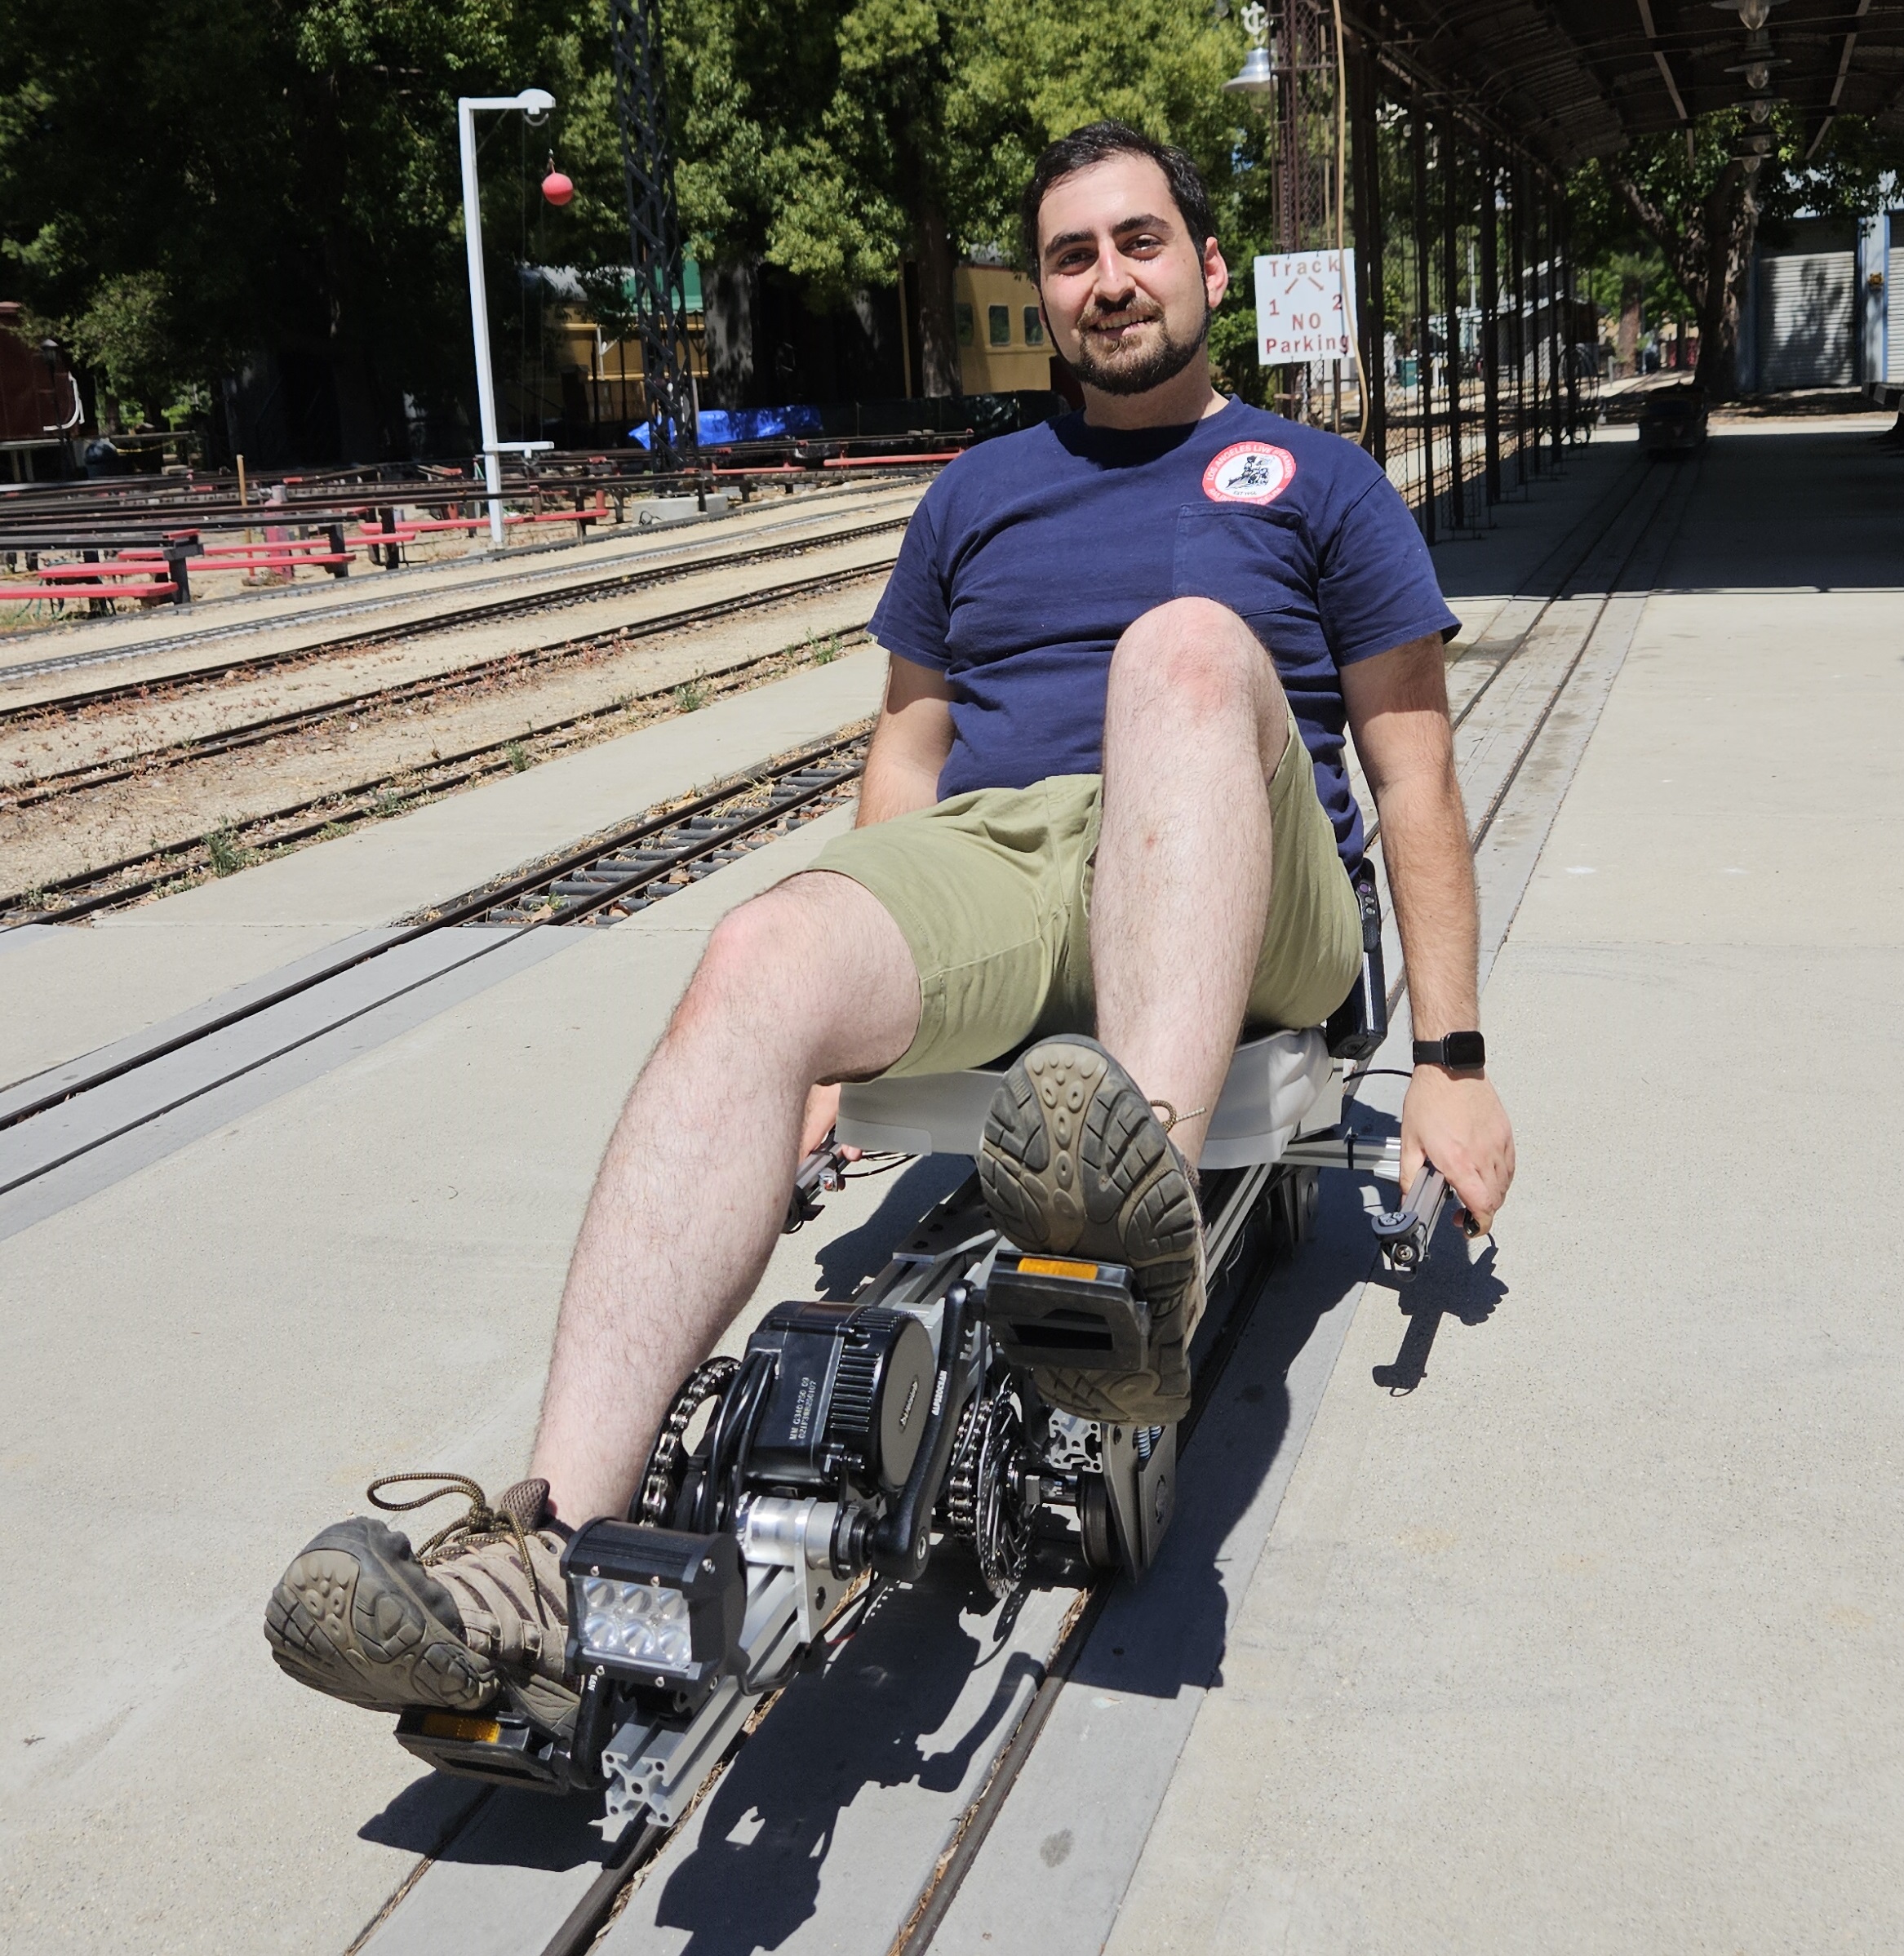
point(690, 697)
point(827, 650)
point(517, 757)
point(226, 855)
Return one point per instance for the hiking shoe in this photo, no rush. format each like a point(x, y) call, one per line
point(479, 1613)
point(1075, 1160)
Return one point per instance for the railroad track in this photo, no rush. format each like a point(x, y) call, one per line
point(1620, 526)
point(174, 866)
point(430, 688)
point(617, 583)
point(610, 876)
point(563, 597)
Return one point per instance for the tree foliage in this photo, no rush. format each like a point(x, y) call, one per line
point(232, 175)
point(1690, 198)
point(237, 177)
point(835, 138)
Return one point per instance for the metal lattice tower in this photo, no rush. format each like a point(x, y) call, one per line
point(660, 304)
point(1303, 55)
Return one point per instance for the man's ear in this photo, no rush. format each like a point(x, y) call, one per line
point(1216, 272)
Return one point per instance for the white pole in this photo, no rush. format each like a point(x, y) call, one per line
point(485, 386)
point(535, 103)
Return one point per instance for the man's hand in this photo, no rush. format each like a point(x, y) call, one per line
point(823, 1110)
point(1457, 1121)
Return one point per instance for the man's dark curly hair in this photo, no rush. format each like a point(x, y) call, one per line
point(1097, 143)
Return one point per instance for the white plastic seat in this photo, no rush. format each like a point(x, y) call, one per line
point(1280, 1083)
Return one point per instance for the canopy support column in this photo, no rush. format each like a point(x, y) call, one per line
point(1490, 222)
point(1448, 150)
point(1424, 359)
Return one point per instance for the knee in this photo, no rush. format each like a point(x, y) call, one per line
point(1197, 656)
point(745, 960)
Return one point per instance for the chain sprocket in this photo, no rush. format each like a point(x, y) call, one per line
point(982, 1500)
point(661, 1478)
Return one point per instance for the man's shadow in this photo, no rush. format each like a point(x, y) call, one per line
point(1450, 1285)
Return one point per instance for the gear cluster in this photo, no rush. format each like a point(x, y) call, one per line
point(982, 1502)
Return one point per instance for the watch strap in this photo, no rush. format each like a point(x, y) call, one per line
point(1459, 1052)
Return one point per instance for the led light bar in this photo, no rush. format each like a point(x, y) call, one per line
point(652, 1606)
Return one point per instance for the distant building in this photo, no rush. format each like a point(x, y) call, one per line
point(1822, 305)
point(40, 411)
point(1002, 346)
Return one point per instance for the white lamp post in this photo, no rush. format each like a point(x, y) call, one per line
point(535, 103)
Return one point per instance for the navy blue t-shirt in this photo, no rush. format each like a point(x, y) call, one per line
point(1031, 554)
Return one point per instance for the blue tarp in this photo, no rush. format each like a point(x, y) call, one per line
point(718, 424)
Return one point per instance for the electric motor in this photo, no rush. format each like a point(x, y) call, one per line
point(848, 1403)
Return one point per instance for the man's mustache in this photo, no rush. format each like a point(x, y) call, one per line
point(1129, 315)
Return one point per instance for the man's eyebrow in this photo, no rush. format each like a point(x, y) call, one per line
point(1145, 220)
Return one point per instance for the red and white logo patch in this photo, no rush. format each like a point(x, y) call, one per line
point(1249, 471)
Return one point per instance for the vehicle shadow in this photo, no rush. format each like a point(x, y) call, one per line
point(848, 1258)
point(753, 1873)
point(448, 1819)
point(1167, 1633)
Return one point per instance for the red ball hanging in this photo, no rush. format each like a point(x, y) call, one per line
point(557, 188)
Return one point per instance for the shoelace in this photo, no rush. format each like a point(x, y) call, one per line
point(1168, 1115)
point(477, 1527)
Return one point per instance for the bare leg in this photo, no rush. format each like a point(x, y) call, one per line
point(1194, 727)
point(810, 981)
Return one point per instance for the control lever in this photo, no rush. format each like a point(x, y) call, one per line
point(1403, 1234)
point(823, 1172)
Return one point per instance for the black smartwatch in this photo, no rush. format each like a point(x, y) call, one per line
point(1459, 1052)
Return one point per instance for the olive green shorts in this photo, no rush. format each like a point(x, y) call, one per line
point(992, 891)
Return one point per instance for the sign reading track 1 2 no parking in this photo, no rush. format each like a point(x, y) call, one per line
point(1305, 307)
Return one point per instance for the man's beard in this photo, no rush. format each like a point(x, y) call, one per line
point(1165, 361)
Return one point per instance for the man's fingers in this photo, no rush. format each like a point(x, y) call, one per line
point(822, 1108)
point(1481, 1195)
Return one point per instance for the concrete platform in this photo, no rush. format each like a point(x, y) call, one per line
point(1576, 1627)
point(214, 1355)
point(1589, 1641)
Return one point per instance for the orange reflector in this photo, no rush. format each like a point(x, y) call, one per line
point(452, 1725)
point(1056, 1266)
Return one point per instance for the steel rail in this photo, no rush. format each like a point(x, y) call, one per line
point(1616, 502)
point(431, 777)
point(106, 886)
point(43, 788)
point(738, 813)
point(228, 671)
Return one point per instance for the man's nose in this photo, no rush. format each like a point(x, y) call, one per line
point(1112, 287)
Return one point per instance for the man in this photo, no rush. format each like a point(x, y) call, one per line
point(1106, 790)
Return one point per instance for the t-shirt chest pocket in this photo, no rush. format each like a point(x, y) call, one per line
point(1255, 561)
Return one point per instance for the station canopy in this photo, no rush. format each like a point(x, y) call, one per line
point(1572, 79)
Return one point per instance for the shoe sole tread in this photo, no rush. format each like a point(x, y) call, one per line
point(357, 1617)
point(1067, 1167)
